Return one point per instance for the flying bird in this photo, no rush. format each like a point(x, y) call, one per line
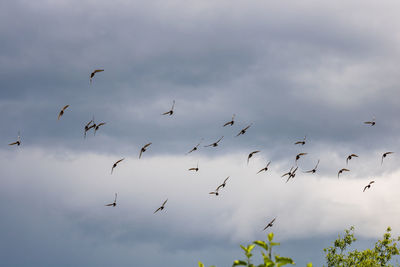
point(251, 155)
point(299, 155)
point(342, 170)
point(313, 170)
point(88, 126)
point(195, 148)
point(222, 185)
point(162, 206)
point(97, 126)
point(368, 186)
point(215, 144)
point(384, 156)
point(115, 164)
point(214, 192)
point(18, 142)
point(288, 173)
point(196, 169)
point(243, 131)
point(372, 123)
point(114, 203)
point(301, 142)
point(270, 224)
point(143, 149)
point(292, 174)
point(62, 111)
point(265, 168)
point(350, 157)
point(93, 73)
point(230, 122)
point(170, 112)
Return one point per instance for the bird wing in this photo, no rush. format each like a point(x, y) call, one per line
point(226, 179)
point(157, 210)
point(365, 188)
point(226, 124)
point(316, 165)
point(65, 107)
point(165, 202)
point(165, 113)
point(13, 143)
point(100, 124)
point(192, 169)
point(118, 161)
point(108, 205)
point(115, 199)
point(219, 140)
point(140, 154)
point(173, 105)
point(146, 145)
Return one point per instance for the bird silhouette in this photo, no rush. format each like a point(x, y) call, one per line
point(243, 131)
point(88, 126)
point(349, 157)
point(368, 186)
point(195, 148)
point(301, 142)
point(270, 224)
point(313, 170)
point(114, 203)
point(215, 143)
point(18, 142)
point(223, 184)
point(171, 111)
point(196, 169)
point(214, 192)
point(384, 156)
point(143, 149)
point(115, 164)
point(292, 174)
point(230, 122)
point(342, 170)
point(265, 168)
point(97, 126)
point(62, 111)
point(251, 155)
point(93, 73)
point(162, 206)
point(372, 123)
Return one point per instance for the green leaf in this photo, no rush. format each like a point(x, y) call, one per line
point(270, 236)
point(280, 261)
point(244, 248)
point(250, 248)
point(261, 244)
point(309, 264)
point(201, 264)
point(237, 263)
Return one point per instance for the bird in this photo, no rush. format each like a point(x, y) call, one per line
point(372, 123)
point(342, 170)
point(313, 170)
point(251, 155)
point(143, 149)
point(214, 192)
point(162, 206)
point(115, 164)
point(97, 127)
point(215, 143)
point(170, 112)
point(350, 157)
point(196, 169)
point(88, 126)
point(301, 142)
point(62, 111)
point(299, 155)
point(270, 224)
point(230, 122)
point(243, 131)
point(93, 73)
point(265, 168)
point(195, 148)
point(222, 185)
point(114, 203)
point(384, 156)
point(292, 174)
point(288, 173)
point(18, 142)
point(368, 186)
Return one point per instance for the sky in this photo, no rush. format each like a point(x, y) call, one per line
point(288, 69)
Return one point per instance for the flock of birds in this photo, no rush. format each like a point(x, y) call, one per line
point(290, 174)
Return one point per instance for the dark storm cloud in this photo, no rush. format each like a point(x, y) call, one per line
point(214, 62)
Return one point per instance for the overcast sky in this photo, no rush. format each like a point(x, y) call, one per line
point(288, 69)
